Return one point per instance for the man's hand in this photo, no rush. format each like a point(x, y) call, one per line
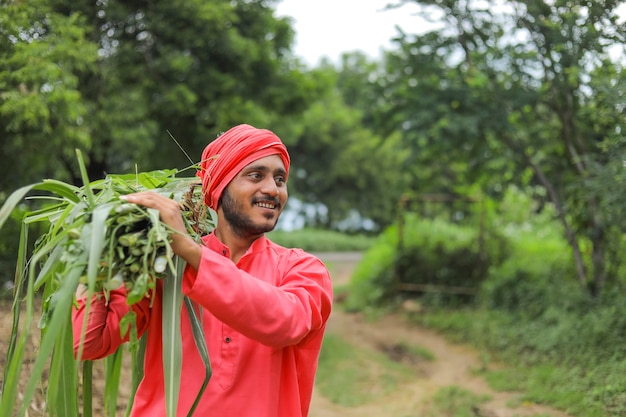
point(183, 244)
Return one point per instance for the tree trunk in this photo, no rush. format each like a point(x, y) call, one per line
point(581, 271)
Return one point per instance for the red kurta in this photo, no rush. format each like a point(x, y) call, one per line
point(264, 321)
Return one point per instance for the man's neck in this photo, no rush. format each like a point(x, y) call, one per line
point(237, 245)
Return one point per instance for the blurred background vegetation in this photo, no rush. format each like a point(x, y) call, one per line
point(478, 165)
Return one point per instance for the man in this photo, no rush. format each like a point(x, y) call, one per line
point(264, 307)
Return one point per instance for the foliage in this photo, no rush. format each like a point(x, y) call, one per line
point(98, 242)
point(521, 283)
point(563, 346)
point(129, 84)
point(186, 68)
point(42, 112)
point(347, 173)
point(118, 78)
point(373, 277)
point(495, 93)
point(445, 262)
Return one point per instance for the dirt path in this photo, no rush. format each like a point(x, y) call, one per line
point(453, 364)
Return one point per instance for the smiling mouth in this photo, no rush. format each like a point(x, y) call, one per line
point(266, 205)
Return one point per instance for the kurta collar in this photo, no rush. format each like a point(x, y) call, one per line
point(213, 243)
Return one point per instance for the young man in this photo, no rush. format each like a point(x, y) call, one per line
point(264, 307)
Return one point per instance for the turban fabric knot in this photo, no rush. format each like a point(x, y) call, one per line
point(227, 155)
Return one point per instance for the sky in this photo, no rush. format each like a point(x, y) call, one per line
point(331, 27)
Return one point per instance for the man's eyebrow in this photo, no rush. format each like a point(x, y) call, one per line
point(264, 168)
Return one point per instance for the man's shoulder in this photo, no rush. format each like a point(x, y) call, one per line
point(284, 249)
point(293, 253)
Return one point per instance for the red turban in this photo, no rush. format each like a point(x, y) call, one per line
point(223, 158)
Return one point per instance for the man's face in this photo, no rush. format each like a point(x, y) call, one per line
point(253, 200)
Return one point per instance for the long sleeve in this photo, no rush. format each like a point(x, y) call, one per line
point(102, 332)
point(286, 299)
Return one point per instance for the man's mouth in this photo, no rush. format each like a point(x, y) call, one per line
point(267, 204)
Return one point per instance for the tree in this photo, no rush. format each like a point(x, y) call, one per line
point(42, 112)
point(185, 70)
point(520, 88)
point(348, 172)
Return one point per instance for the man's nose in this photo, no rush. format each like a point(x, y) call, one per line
point(270, 187)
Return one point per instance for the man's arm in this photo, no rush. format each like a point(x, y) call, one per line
point(100, 335)
point(275, 315)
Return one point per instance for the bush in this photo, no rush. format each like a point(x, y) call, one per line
point(434, 253)
point(538, 274)
point(448, 256)
point(373, 277)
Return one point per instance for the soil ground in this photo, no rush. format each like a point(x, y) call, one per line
point(453, 364)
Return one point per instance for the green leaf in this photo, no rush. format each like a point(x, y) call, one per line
point(62, 396)
point(67, 191)
point(203, 350)
point(87, 388)
point(48, 269)
point(172, 344)
point(138, 353)
point(61, 311)
point(12, 201)
point(85, 177)
point(95, 240)
point(112, 380)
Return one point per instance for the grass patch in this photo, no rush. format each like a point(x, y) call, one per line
point(317, 240)
point(351, 375)
point(455, 402)
point(582, 384)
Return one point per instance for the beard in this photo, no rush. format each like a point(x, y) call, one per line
point(241, 224)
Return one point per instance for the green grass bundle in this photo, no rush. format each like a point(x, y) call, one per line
point(100, 241)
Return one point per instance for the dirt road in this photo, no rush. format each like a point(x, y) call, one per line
point(453, 364)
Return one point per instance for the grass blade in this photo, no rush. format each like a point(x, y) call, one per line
point(67, 191)
point(20, 267)
point(12, 201)
point(203, 350)
point(138, 353)
point(87, 388)
point(95, 242)
point(62, 396)
point(54, 248)
point(17, 346)
point(83, 173)
point(61, 305)
point(172, 345)
point(112, 381)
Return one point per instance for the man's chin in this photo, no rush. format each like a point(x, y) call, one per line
point(269, 227)
point(264, 227)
